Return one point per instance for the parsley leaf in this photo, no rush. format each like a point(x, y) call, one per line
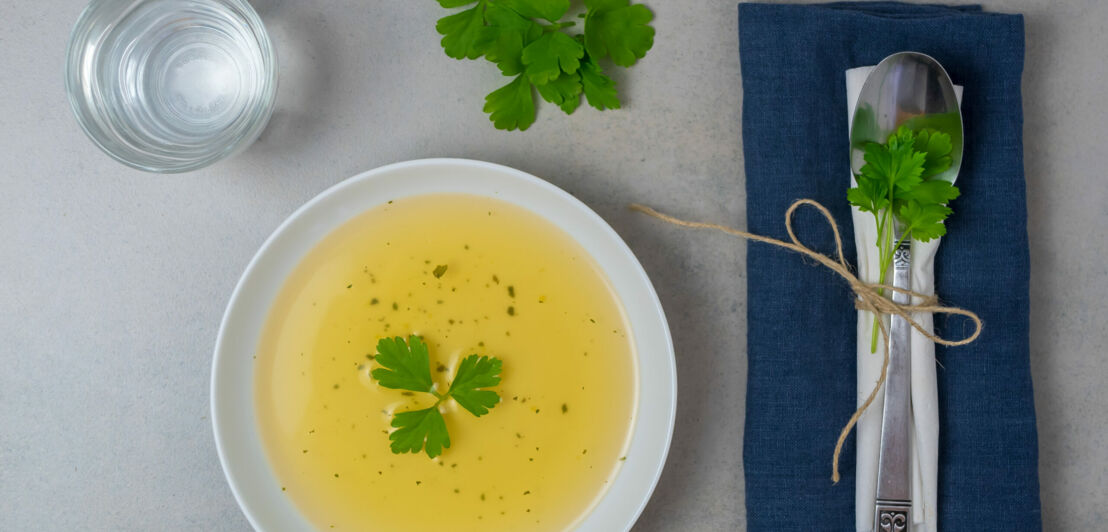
point(504, 38)
point(512, 106)
point(561, 65)
point(896, 163)
point(564, 91)
point(549, 56)
point(418, 430)
point(551, 10)
point(408, 367)
point(924, 221)
point(618, 29)
point(907, 163)
point(600, 90)
point(474, 373)
point(936, 147)
point(871, 195)
point(462, 32)
point(405, 365)
point(934, 191)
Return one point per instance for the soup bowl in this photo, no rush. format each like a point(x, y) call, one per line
point(234, 415)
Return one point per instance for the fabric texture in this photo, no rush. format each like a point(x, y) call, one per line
point(801, 320)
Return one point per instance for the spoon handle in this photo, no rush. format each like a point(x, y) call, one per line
point(894, 493)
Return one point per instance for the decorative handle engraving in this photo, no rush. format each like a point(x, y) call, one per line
point(893, 521)
point(902, 256)
point(893, 515)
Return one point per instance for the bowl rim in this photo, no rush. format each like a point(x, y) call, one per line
point(74, 78)
point(238, 443)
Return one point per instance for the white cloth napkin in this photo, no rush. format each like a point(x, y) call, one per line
point(925, 401)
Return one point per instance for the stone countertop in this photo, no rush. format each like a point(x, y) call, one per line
point(114, 281)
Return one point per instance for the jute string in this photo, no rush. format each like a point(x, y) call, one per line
point(869, 295)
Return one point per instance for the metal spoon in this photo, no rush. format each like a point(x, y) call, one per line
point(913, 90)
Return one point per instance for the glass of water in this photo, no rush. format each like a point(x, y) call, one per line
point(171, 85)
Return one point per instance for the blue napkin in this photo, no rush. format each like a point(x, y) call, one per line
point(801, 318)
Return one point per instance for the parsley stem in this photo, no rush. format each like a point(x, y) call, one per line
point(880, 222)
point(884, 259)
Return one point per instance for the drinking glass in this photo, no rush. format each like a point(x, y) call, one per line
point(171, 85)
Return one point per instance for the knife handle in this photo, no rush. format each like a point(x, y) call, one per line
point(893, 516)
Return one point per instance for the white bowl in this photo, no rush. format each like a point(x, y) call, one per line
point(233, 414)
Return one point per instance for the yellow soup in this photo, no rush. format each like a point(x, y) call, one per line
point(515, 287)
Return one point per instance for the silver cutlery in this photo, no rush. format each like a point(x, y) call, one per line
point(904, 86)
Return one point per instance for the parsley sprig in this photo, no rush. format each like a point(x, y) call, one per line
point(899, 183)
point(526, 40)
point(406, 365)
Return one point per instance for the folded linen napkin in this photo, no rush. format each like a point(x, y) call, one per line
point(801, 384)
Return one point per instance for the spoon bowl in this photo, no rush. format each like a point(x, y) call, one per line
point(907, 89)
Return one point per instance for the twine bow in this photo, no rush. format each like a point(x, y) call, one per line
point(869, 295)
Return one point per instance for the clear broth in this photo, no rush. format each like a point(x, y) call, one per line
point(516, 287)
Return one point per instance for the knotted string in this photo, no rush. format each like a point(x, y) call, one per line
point(869, 295)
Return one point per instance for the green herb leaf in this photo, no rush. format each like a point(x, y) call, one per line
point(896, 163)
point(512, 106)
point(618, 29)
point(934, 191)
point(462, 32)
point(504, 50)
point(936, 147)
point(551, 10)
point(439, 271)
point(554, 61)
point(907, 170)
point(504, 38)
point(600, 90)
point(924, 221)
point(950, 124)
point(550, 55)
point(564, 91)
point(871, 195)
point(418, 430)
point(473, 374)
point(501, 17)
point(405, 365)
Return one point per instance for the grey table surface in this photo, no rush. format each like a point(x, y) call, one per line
point(113, 282)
